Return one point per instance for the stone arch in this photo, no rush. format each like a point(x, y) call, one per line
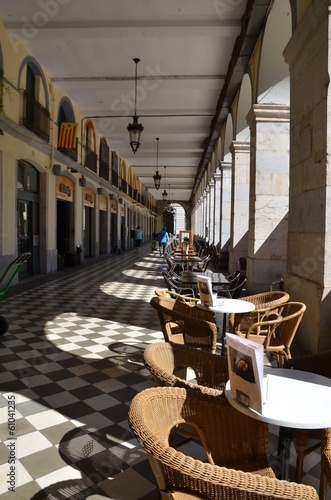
point(244, 104)
point(273, 79)
point(36, 68)
point(228, 137)
point(65, 111)
point(89, 126)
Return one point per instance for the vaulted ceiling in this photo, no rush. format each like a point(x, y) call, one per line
point(192, 57)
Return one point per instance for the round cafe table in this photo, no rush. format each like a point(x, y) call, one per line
point(293, 399)
point(226, 306)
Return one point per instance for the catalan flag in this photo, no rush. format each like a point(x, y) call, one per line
point(68, 135)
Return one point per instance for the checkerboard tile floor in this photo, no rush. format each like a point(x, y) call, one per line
point(69, 366)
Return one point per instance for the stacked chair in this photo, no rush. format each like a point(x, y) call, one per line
point(235, 446)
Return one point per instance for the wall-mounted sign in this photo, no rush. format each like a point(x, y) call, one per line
point(113, 206)
point(89, 197)
point(64, 188)
point(103, 202)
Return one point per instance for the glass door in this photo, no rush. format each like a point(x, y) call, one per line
point(24, 231)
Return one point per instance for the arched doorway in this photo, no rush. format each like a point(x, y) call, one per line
point(28, 221)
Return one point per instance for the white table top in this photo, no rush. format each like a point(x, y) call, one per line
point(225, 305)
point(294, 399)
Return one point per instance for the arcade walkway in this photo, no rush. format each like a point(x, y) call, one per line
point(72, 361)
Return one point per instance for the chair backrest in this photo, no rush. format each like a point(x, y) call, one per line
point(164, 359)
point(278, 341)
point(205, 263)
point(262, 301)
point(230, 439)
point(233, 278)
point(183, 324)
point(191, 301)
point(233, 289)
point(265, 300)
point(237, 290)
point(291, 317)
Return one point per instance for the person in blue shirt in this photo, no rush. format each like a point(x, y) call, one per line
point(138, 238)
point(163, 240)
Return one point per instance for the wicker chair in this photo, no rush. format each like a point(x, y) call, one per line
point(235, 447)
point(184, 324)
point(319, 363)
point(263, 301)
point(325, 463)
point(164, 293)
point(266, 331)
point(164, 358)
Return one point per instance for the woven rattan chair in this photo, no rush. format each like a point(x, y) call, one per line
point(277, 331)
point(262, 301)
point(164, 358)
point(164, 293)
point(319, 363)
point(235, 447)
point(185, 324)
point(325, 463)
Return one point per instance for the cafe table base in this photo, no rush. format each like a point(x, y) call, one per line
point(226, 306)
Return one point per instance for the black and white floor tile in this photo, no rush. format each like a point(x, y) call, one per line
point(69, 366)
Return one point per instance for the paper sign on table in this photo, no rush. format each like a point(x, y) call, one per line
point(207, 297)
point(245, 362)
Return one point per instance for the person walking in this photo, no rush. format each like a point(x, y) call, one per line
point(163, 240)
point(138, 238)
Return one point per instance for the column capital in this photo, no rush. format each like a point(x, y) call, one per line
point(268, 113)
point(225, 165)
point(236, 146)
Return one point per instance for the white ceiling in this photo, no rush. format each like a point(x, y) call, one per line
point(185, 48)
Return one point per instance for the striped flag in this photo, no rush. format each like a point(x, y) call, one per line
point(68, 135)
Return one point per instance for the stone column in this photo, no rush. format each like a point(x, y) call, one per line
point(211, 211)
point(225, 203)
point(207, 219)
point(204, 217)
point(239, 203)
point(309, 249)
point(217, 207)
point(268, 196)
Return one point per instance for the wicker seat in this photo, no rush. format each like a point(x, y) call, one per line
point(185, 324)
point(262, 301)
point(266, 331)
point(164, 358)
point(319, 363)
point(235, 447)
